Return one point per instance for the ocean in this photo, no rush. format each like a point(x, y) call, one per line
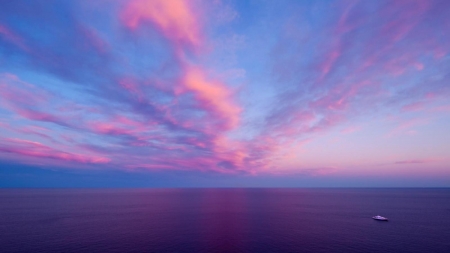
point(224, 220)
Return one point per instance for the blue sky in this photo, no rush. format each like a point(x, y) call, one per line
point(143, 93)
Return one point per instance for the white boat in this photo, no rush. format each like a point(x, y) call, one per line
point(381, 218)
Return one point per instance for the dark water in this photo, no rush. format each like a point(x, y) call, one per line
point(225, 220)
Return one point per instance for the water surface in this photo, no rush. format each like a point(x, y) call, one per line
point(224, 220)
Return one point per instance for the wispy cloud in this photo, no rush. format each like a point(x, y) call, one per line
point(413, 161)
point(178, 85)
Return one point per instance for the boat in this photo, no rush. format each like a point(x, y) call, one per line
point(380, 218)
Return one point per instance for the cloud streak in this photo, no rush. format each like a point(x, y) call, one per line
point(146, 84)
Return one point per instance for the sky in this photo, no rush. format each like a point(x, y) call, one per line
point(191, 93)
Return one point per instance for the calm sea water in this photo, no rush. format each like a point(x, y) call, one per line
point(225, 220)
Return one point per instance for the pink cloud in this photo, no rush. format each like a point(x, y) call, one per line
point(212, 96)
point(200, 163)
point(176, 19)
point(13, 37)
point(329, 61)
point(16, 91)
point(416, 106)
point(150, 166)
point(439, 52)
point(93, 39)
point(357, 83)
point(129, 129)
point(119, 125)
point(132, 87)
point(350, 129)
point(26, 100)
point(395, 27)
point(443, 108)
point(339, 97)
point(413, 161)
point(321, 171)
point(404, 127)
point(400, 25)
point(185, 117)
point(108, 128)
point(36, 131)
point(27, 148)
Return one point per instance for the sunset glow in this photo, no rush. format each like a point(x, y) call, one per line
point(338, 91)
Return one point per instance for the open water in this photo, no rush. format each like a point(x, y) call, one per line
point(224, 220)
